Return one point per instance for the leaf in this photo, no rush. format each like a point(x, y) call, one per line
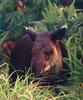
point(3, 36)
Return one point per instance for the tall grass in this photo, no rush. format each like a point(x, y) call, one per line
point(25, 90)
point(54, 18)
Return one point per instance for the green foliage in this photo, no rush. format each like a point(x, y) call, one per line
point(13, 21)
point(22, 90)
point(25, 89)
point(53, 18)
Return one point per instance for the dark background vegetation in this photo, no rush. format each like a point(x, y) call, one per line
point(43, 15)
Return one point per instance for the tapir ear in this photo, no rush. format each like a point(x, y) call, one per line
point(30, 32)
point(59, 34)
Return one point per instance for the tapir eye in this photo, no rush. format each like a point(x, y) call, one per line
point(48, 53)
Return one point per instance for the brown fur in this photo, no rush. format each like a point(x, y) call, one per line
point(46, 54)
point(41, 51)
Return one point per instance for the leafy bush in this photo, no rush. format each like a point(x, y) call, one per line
point(53, 18)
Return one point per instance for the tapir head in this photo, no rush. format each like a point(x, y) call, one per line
point(46, 51)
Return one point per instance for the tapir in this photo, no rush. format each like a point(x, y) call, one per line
point(43, 52)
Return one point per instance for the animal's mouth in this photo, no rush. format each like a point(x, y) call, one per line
point(48, 69)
